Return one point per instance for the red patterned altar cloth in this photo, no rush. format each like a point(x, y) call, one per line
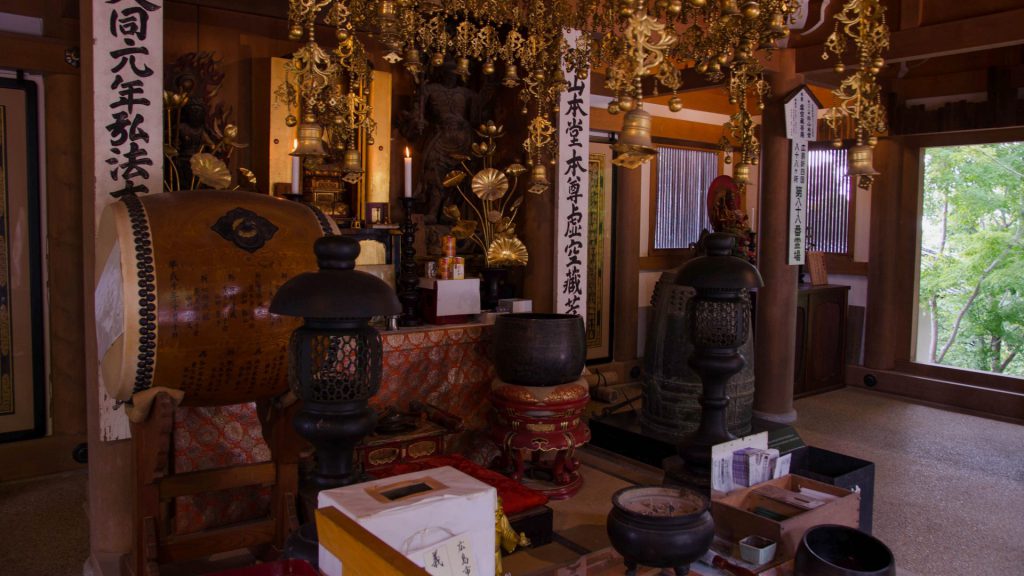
point(208, 437)
point(447, 366)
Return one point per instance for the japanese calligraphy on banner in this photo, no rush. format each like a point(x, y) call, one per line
point(801, 126)
point(128, 48)
point(572, 187)
point(127, 73)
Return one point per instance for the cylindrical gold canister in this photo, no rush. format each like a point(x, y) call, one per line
point(444, 268)
point(448, 245)
point(458, 268)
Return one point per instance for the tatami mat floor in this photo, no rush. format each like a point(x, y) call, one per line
point(948, 495)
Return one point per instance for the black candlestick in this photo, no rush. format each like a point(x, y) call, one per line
point(408, 280)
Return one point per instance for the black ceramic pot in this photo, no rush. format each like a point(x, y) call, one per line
point(831, 550)
point(539, 349)
point(660, 527)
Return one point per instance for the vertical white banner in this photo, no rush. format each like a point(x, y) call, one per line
point(128, 76)
point(801, 126)
point(571, 216)
point(797, 201)
point(128, 72)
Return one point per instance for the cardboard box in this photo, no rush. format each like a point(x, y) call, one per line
point(449, 301)
point(735, 518)
point(416, 512)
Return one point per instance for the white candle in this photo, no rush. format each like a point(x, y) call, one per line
point(296, 169)
point(408, 173)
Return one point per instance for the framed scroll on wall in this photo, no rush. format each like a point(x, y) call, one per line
point(599, 253)
point(22, 371)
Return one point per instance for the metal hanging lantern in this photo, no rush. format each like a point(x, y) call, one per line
point(310, 142)
point(634, 146)
point(719, 324)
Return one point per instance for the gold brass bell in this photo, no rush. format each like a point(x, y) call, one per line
point(741, 173)
point(462, 68)
point(352, 165)
point(511, 79)
point(861, 161)
point(413, 61)
point(634, 146)
point(310, 142)
point(538, 180)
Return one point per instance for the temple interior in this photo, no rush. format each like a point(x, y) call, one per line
point(537, 288)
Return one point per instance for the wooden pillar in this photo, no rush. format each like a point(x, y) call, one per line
point(883, 341)
point(775, 340)
point(538, 228)
point(627, 263)
point(64, 254)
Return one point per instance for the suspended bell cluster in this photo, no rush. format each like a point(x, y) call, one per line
point(859, 112)
point(635, 39)
point(523, 41)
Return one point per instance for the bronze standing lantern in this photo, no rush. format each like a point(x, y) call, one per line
point(719, 324)
point(335, 361)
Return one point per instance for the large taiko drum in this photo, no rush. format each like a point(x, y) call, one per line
point(184, 283)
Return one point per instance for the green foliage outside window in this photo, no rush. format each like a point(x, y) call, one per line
point(972, 257)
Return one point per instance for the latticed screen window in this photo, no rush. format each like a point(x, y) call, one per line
point(828, 200)
point(684, 176)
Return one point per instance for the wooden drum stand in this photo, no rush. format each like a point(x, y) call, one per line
point(155, 486)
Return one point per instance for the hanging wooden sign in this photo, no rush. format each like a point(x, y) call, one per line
point(571, 217)
point(801, 109)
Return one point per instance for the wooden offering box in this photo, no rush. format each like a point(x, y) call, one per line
point(735, 516)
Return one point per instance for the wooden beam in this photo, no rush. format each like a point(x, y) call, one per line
point(362, 553)
point(965, 397)
point(956, 37)
point(911, 13)
point(189, 483)
point(208, 542)
point(34, 54)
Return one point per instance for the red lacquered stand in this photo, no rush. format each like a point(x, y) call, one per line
point(539, 429)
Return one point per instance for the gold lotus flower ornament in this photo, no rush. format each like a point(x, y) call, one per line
point(464, 229)
point(490, 184)
point(210, 170)
point(507, 251)
point(454, 178)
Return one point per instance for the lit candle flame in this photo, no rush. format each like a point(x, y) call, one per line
point(407, 154)
point(295, 144)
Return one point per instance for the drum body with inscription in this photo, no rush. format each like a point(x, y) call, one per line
point(183, 290)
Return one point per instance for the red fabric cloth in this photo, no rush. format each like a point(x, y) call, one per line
point(515, 497)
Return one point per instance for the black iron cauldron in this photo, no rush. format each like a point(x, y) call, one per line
point(539, 349)
point(660, 526)
point(831, 550)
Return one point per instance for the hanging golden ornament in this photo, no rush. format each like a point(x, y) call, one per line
point(490, 184)
point(507, 251)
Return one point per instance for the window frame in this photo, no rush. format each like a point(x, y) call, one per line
point(666, 257)
point(901, 310)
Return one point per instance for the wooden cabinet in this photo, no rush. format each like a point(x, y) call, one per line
point(820, 339)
